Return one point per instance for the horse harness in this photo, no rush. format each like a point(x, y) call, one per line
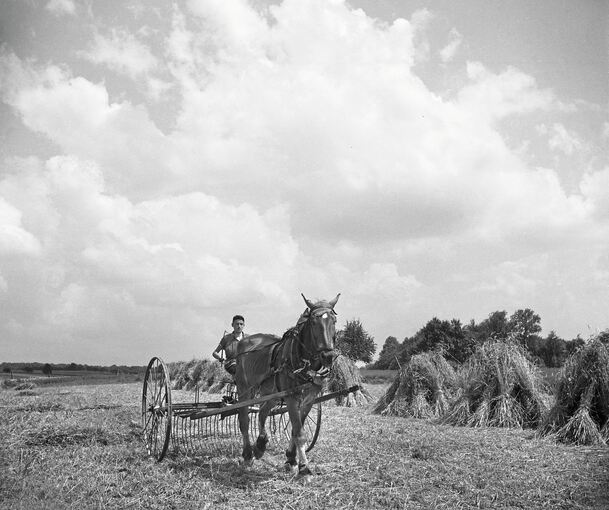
point(301, 373)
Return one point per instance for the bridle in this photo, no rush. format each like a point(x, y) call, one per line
point(308, 356)
point(313, 315)
point(305, 357)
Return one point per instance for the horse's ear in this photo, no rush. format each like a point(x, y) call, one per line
point(309, 304)
point(334, 301)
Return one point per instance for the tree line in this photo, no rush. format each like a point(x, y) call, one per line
point(49, 368)
point(458, 341)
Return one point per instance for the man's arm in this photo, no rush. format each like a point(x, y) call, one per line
point(216, 354)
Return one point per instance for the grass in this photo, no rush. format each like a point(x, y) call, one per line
point(79, 447)
point(67, 377)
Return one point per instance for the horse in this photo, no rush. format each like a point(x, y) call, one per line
point(297, 362)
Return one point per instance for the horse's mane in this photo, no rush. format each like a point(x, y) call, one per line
point(293, 331)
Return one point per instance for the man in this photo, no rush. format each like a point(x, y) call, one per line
point(229, 343)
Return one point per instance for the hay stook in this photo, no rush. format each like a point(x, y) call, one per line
point(498, 386)
point(206, 375)
point(344, 375)
point(580, 414)
point(421, 389)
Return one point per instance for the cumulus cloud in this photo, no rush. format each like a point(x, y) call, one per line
point(495, 96)
point(303, 154)
point(449, 51)
point(510, 278)
point(595, 187)
point(14, 239)
point(121, 52)
point(78, 116)
point(101, 254)
point(560, 138)
point(60, 7)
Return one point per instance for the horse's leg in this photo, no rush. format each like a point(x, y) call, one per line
point(244, 424)
point(298, 438)
point(262, 440)
point(303, 462)
point(290, 453)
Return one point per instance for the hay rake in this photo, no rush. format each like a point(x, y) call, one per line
point(212, 428)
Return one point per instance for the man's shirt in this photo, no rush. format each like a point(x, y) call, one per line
point(229, 343)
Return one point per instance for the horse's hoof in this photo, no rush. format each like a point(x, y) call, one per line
point(304, 470)
point(260, 447)
point(289, 468)
point(304, 479)
point(247, 453)
point(247, 463)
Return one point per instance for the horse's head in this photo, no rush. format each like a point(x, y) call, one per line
point(321, 324)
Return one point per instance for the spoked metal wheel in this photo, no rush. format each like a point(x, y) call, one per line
point(156, 409)
point(311, 426)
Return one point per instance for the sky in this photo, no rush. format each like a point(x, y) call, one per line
point(166, 165)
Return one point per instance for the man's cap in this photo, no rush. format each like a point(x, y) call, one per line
point(238, 318)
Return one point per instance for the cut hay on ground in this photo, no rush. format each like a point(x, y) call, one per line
point(498, 387)
point(580, 414)
point(205, 374)
point(421, 389)
point(344, 375)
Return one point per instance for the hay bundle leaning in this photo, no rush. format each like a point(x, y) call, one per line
point(204, 374)
point(580, 414)
point(344, 375)
point(498, 387)
point(421, 388)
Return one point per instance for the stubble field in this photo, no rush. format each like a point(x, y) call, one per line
point(80, 447)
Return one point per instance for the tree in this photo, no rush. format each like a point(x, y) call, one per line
point(536, 345)
point(434, 334)
point(355, 343)
point(447, 336)
point(410, 347)
point(388, 354)
point(554, 350)
point(459, 345)
point(603, 336)
point(496, 326)
point(523, 324)
point(574, 345)
point(47, 370)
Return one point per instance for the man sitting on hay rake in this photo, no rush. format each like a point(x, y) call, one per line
point(229, 344)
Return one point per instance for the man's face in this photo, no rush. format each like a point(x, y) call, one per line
point(238, 326)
